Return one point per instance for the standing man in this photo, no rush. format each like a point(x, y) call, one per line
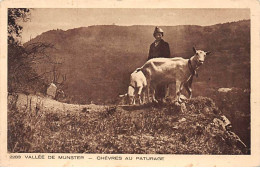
point(159, 49)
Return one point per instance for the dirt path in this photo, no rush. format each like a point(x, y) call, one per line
point(35, 103)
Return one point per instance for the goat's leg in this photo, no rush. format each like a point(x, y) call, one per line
point(153, 93)
point(139, 94)
point(188, 86)
point(133, 100)
point(148, 93)
point(143, 95)
point(177, 90)
point(190, 93)
point(188, 89)
point(167, 91)
point(179, 86)
point(148, 88)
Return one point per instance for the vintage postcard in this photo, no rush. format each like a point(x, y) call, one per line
point(130, 83)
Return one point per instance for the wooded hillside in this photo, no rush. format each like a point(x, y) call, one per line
point(98, 60)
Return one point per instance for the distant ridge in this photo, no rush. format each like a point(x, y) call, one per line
point(99, 59)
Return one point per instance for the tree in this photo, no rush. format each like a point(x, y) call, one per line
point(14, 29)
point(21, 75)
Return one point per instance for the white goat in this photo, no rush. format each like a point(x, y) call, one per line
point(170, 70)
point(136, 88)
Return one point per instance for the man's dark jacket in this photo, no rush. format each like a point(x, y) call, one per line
point(162, 50)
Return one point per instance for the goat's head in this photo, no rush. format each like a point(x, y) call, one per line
point(199, 56)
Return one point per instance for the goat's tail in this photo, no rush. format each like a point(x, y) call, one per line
point(123, 95)
point(138, 69)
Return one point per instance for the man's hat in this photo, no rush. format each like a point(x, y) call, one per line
point(157, 30)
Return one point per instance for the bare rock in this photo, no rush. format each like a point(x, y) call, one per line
point(51, 91)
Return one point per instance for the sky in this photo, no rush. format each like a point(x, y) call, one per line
point(42, 19)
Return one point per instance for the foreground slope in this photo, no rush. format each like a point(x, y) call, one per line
point(195, 127)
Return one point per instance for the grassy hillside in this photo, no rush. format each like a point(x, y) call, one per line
point(99, 59)
point(196, 127)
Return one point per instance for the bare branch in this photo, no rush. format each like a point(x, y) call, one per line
point(40, 75)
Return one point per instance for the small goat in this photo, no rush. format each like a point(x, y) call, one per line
point(136, 88)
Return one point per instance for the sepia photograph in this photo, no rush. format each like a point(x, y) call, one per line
point(155, 82)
